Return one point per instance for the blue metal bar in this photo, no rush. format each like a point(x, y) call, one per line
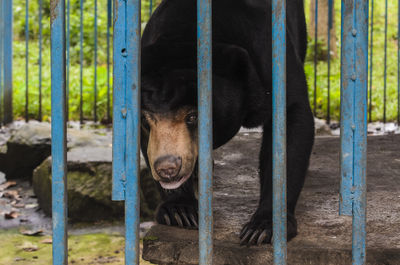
point(95, 62)
point(109, 24)
point(8, 54)
point(315, 56)
point(27, 60)
point(68, 54)
point(119, 104)
point(354, 85)
point(385, 64)
point(151, 8)
point(126, 119)
point(371, 69)
point(40, 59)
point(81, 64)
point(132, 166)
point(58, 133)
point(204, 65)
point(1, 61)
point(279, 131)
point(330, 26)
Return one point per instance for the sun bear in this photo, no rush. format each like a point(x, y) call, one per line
point(242, 96)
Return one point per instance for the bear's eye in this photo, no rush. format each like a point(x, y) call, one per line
point(191, 119)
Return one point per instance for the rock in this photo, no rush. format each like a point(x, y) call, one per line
point(26, 149)
point(321, 128)
point(89, 185)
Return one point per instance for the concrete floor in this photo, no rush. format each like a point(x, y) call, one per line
point(324, 236)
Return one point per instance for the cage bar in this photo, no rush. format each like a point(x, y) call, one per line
point(95, 64)
point(204, 65)
point(330, 26)
point(315, 56)
point(8, 55)
point(354, 85)
point(385, 65)
point(58, 133)
point(27, 60)
point(81, 63)
point(40, 58)
point(279, 218)
point(371, 68)
point(68, 40)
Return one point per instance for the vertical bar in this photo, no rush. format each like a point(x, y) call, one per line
point(40, 59)
point(315, 56)
point(109, 14)
point(330, 26)
point(81, 64)
point(204, 62)
point(360, 134)
point(126, 119)
point(27, 60)
point(371, 60)
point(1, 61)
point(132, 79)
point(58, 132)
point(279, 130)
point(151, 8)
point(8, 54)
point(68, 55)
point(385, 64)
point(354, 85)
point(398, 63)
point(95, 62)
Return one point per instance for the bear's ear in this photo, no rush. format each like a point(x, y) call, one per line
point(234, 63)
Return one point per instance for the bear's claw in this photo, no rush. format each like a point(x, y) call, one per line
point(249, 236)
point(180, 215)
point(259, 230)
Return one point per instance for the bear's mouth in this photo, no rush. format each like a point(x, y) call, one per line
point(174, 183)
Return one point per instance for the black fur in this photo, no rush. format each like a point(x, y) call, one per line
point(242, 91)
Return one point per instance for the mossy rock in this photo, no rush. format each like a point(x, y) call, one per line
point(89, 185)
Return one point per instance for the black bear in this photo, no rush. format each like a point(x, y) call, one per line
point(242, 86)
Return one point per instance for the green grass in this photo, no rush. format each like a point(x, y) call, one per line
point(88, 72)
point(82, 249)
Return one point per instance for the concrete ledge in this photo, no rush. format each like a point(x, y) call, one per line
point(324, 236)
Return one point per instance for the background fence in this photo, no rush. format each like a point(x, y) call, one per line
point(25, 59)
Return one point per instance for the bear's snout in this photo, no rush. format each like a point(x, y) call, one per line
point(168, 167)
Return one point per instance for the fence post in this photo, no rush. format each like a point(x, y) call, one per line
point(279, 130)
point(1, 61)
point(58, 133)
point(27, 60)
point(204, 61)
point(126, 119)
point(354, 87)
point(8, 51)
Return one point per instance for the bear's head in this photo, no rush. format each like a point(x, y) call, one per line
point(169, 123)
point(169, 105)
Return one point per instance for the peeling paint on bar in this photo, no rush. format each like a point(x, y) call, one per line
point(204, 61)
point(279, 218)
point(58, 133)
point(354, 87)
point(8, 55)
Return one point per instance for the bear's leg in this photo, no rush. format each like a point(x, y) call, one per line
point(300, 135)
point(179, 206)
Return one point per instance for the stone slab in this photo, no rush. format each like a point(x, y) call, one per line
point(324, 236)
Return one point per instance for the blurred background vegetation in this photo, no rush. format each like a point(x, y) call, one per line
point(88, 69)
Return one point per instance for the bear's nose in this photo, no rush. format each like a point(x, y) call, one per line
point(168, 167)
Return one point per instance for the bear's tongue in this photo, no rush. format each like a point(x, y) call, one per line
point(175, 184)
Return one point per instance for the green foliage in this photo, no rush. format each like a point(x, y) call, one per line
point(88, 69)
